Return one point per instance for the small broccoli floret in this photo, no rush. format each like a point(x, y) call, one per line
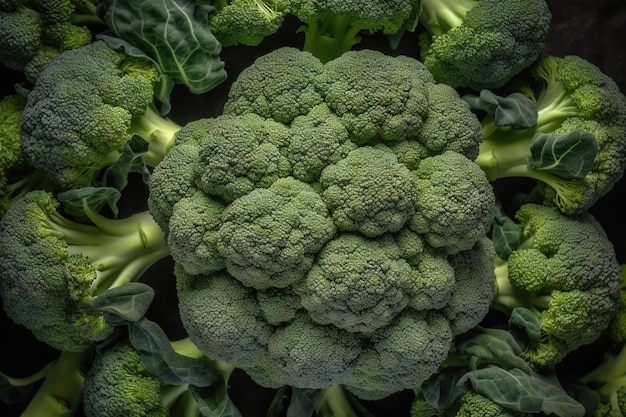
point(565, 270)
point(32, 33)
point(608, 379)
point(573, 99)
point(85, 106)
point(306, 253)
point(333, 27)
point(617, 327)
point(472, 404)
point(51, 265)
point(246, 22)
point(16, 176)
point(482, 44)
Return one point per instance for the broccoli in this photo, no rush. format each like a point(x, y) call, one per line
point(564, 269)
point(608, 380)
point(617, 327)
point(312, 249)
point(52, 265)
point(16, 176)
point(33, 32)
point(82, 110)
point(481, 44)
point(333, 27)
point(575, 103)
point(245, 22)
point(118, 383)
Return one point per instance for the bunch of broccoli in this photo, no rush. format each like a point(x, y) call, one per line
point(336, 225)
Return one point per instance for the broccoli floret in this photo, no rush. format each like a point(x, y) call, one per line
point(482, 44)
point(564, 270)
point(33, 32)
point(354, 259)
point(333, 27)
point(245, 22)
point(16, 176)
point(84, 107)
point(473, 404)
point(573, 98)
point(617, 327)
point(52, 265)
point(608, 379)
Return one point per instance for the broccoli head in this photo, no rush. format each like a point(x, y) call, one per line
point(52, 265)
point(481, 44)
point(575, 149)
point(565, 270)
point(32, 33)
point(84, 107)
point(311, 250)
point(333, 27)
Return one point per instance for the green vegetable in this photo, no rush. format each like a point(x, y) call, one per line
point(481, 44)
point(333, 27)
point(52, 265)
point(174, 35)
point(16, 176)
point(319, 235)
point(580, 127)
point(245, 22)
point(564, 270)
point(95, 99)
point(608, 380)
point(33, 32)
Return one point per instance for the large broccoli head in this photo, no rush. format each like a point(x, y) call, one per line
point(328, 229)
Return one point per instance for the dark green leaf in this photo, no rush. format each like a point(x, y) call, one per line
point(525, 322)
point(213, 400)
point(130, 161)
point(123, 304)
point(523, 392)
point(16, 394)
point(175, 34)
point(568, 156)
point(505, 234)
point(302, 402)
point(157, 354)
point(493, 347)
point(277, 405)
point(515, 110)
point(443, 388)
point(75, 202)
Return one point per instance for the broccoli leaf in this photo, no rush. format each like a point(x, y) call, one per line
point(174, 33)
point(15, 392)
point(524, 324)
point(505, 234)
point(213, 401)
point(76, 202)
point(123, 304)
point(568, 156)
point(130, 161)
point(302, 402)
point(515, 110)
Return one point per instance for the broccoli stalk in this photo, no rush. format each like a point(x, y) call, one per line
point(158, 131)
point(608, 379)
point(439, 16)
point(330, 37)
point(60, 394)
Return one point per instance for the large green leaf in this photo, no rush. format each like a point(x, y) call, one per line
point(568, 156)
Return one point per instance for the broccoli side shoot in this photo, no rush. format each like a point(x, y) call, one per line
point(83, 109)
point(608, 379)
point(246, 22)
point(33, 32)
point(52, 265)
point(333, 27)
point(17, 177)
point(581, 119)
point(565, 270)
point(481, 44)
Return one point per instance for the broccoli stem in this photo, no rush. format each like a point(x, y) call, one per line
point(158, 131)
point(329, 38)
point(508, 297)
point(439, 16)
point(610, 375)
point(61, 392)
point(333, 401)
point(120, 249)
point(85, 14)
point(19, 185)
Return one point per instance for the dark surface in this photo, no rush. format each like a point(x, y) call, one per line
point(591, 29)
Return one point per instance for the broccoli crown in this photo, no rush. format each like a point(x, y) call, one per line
point(33, 33)
point(571, 94)
point(565, 270)
point(341, 253)
point(247, 22)
point(83, 108)
point(118, 384)
point(482, 44)
point(332, 27)
point(51, 265)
